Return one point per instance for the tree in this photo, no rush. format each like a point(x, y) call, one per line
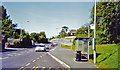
point(39, 37)
point(7, 26)
point(64, 27)
point(26, 39)
point(107, 19)
point(63, 32)
point(82, 32)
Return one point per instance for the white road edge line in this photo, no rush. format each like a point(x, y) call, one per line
point(53, 49)
point(61, 62)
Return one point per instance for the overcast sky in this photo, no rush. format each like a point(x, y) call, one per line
point(47, 16)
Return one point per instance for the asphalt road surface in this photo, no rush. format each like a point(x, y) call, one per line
point(23, 58)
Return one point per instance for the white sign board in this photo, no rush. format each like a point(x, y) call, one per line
point(92, 26)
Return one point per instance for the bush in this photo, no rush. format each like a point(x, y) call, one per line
point(26, 41)
point(74, 42)
point(16, 41)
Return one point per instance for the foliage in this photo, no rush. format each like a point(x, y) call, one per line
point(7, 26)
point(82, 32)
point(7, 29)
point(15, 35)
point(16, 41)
point(108, 25)
point(52, 38)
point(26, 40)
point(64, 27)
point(62, 34)
point(39, 37)
point(73, 42)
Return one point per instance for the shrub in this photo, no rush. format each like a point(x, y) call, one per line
point(26, 41)
point(74, 42)
point(16, 41)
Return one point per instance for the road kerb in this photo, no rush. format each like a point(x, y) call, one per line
point(61, 62)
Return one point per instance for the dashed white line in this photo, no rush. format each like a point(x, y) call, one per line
point(18, 54)
point(10, 55)
point(3, 58)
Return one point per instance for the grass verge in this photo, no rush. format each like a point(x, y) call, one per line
point(65, 46)
point(107, 55)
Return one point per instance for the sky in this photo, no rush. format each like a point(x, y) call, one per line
point(49, 16)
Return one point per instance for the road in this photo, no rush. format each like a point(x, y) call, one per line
point(23, 58)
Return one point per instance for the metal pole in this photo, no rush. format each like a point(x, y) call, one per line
point(88, 49)
point(20, 31)
point(21, 34)
point(95, 33)
point(88, 31)
point(88, 40)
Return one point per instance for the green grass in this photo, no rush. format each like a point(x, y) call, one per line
point(65, 46)
point(107, 55)
point(82, 35)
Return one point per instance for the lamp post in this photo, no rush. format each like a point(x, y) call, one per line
point(94, 33)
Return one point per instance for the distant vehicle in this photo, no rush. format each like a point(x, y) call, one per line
point(47, 46)
point(55, 43)
point(52, 44)
point(40, 47)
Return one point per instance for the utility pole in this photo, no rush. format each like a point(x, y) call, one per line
point(94, 33)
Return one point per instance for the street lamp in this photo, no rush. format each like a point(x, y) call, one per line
point(94, 39)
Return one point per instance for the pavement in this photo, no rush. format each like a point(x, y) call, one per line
point(68, 57)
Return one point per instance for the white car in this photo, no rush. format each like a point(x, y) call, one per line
point(40, 47)
point(47, 46)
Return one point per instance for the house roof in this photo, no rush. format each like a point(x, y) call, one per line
point(73, 31)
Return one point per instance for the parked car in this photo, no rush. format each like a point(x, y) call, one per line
point(40, 47)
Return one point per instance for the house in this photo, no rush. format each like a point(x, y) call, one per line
point(67, 30)
point(64, 29)
point(72, 32)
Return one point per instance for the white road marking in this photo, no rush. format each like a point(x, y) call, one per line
point(18, 54)
point(20, 68)
point(27, 64)
point(43, 68)
point(61, 62)
point(53, 49)
point(37, 58)
point(33, 60)
point(10, 55)
point(49, 68)
point(3, 58)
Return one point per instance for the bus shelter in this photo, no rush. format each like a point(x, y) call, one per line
point(82, 48)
